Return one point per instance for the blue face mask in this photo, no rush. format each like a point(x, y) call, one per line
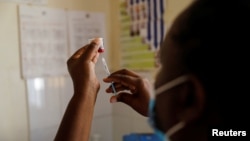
point(161, 135)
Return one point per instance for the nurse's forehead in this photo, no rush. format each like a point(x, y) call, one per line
point(170, 60)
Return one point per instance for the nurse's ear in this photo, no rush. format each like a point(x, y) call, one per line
point(192, 100)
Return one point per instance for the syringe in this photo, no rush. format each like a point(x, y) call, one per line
point(101, 50)
point(108, 73)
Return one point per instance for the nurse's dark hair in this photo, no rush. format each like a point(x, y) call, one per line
point(214, 38)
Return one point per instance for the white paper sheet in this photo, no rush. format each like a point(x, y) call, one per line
point(43, 40)
point(84, 26)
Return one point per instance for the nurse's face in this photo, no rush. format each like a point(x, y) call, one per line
point(166, 108)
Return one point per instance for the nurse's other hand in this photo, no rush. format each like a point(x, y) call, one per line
point(137, 90)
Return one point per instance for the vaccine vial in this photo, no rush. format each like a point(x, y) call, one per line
point(101, 48)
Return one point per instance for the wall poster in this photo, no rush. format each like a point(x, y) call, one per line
point(43, 40)
point(142, 31)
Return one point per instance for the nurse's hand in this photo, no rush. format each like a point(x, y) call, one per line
point(81, 66)
point(138, 90)
point(76, 122)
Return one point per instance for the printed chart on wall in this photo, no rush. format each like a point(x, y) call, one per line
point(43, 40)
point(83, 26)
point(142, 31)
point(42, 2)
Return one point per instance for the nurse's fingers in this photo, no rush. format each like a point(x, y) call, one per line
point(118, 88)
point(125, 80)
point(126, 72)
point(78, 53)
point(91, 51)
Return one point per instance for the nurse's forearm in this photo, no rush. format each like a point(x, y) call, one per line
point(76, 123)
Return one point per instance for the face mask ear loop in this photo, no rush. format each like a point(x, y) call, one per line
point(175, 128)
point(171, 84)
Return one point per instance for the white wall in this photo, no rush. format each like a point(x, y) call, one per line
point(13, 105)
